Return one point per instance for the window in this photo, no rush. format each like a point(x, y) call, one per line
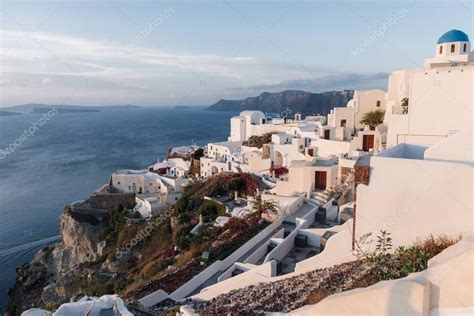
point(465, 47)
point(441, 49)
point(378, 104)
point(343, 122)
point(453, 47)
point(118, 182)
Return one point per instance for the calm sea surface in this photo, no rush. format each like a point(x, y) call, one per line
point(72, 155)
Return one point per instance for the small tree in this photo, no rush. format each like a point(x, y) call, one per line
point(373, 118)
point(261, 206)
point(235, 184)
point(380, 257)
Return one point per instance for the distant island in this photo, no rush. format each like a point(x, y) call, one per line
point(306, 103)
point(182, 107)
point(64, 110)
point(43, 108)
point(8, 113)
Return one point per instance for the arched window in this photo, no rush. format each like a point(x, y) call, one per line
point(441, 49)
point(465, 47)
point(343, 123)
point(452, 48)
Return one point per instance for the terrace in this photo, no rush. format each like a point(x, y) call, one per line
point(300, 252)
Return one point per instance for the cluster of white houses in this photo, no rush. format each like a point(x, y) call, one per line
point(310, 149)
point(156, 187)
point(412, 176)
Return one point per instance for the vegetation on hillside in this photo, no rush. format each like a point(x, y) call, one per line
point(169, 255)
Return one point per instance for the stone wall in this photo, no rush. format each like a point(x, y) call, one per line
point(345, 171)
point(361, 175)
point(112, 200)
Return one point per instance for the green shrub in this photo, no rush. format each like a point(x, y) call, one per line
point(210, 210)
point(412, 259)
point(182, 239)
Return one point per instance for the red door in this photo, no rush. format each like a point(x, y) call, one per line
point(326, 134)
point(367, 142)
point(310, 152)
point(320, 180)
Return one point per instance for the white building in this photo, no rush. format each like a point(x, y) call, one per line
point(306, 176)
point(147, 184)
point(137, 181)
point(255, 123)
point(439, 95)
point(173, 167)
point(346, 120)
point(105, 305)
point(222, 157)
point(243, 126)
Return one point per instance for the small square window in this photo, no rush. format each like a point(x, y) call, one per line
point(378, 104)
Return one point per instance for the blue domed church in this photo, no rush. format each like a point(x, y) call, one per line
point(452, 46)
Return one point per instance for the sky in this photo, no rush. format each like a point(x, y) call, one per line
point(157, 53)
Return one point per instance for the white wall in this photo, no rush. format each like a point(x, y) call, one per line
point(326, 148)
point(415, 198)
point(441, 102)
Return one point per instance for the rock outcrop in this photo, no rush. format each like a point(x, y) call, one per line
point(306, 103)
point(52, 276)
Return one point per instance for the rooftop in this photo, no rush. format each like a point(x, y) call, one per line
point(453, 36)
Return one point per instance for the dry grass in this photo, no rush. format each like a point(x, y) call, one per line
point(367, 277)
point(316, 296)
point(434, 245)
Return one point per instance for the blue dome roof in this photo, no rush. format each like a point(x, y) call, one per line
point(453, 36)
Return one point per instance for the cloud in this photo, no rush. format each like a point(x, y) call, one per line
point(326, 83)
point(46, 67)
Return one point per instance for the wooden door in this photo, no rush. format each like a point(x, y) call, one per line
point(327, 133)
point(320, 180)
point(367, 142)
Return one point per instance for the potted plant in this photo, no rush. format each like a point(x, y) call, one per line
point(404, 105)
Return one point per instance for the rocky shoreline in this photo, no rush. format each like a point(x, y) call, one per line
point(51, 278)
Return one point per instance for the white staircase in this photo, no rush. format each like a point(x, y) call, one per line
point(321, 197)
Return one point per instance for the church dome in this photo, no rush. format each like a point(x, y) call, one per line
point(453, 36)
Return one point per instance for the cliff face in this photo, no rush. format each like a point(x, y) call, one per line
point(51, 276)
point(306, 103)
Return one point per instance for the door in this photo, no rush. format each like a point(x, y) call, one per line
point(327, 133)
point(320, 180)
point(367, 142)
